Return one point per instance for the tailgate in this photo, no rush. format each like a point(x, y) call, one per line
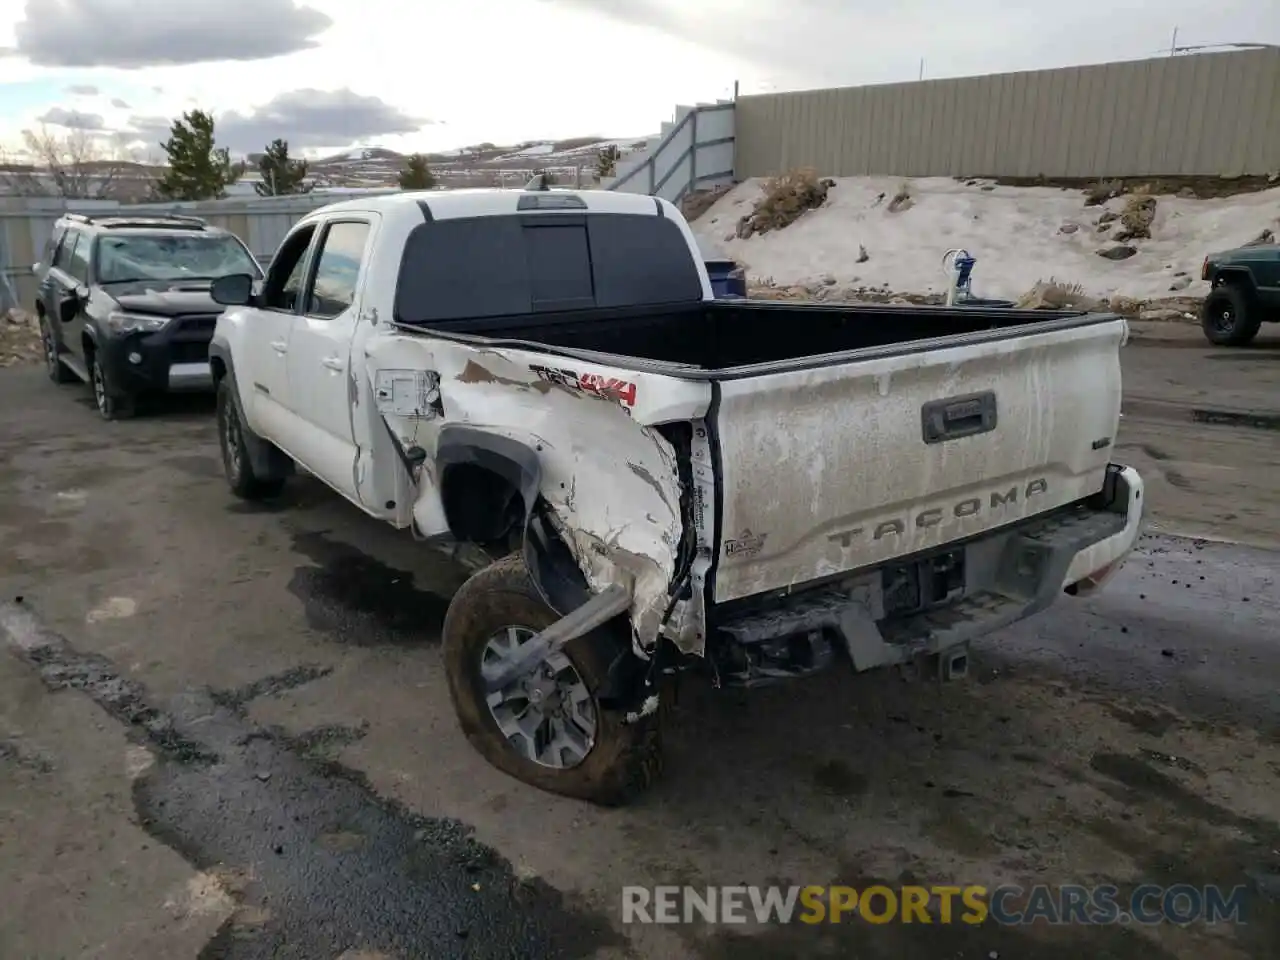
point(846, 465)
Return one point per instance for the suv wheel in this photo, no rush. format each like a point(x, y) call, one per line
point(1229, 317)
point(111, 405)
point(53, 365)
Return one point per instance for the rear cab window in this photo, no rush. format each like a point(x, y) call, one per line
point(456, 272)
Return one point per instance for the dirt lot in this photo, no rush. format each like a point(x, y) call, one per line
point(239, 745)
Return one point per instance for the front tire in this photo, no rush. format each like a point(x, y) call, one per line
point(244, 483)
point(111, 405)
point(547, 730)
point(1229, 318)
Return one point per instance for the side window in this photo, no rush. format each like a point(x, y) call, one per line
point(78, 266)
point(51, 246)
point(62, 259)
point(285, 277)
point(334, 287)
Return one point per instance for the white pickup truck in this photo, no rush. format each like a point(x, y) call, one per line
point(662, 479)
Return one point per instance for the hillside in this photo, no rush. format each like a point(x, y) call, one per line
point(485, 164)
point(1020, 235)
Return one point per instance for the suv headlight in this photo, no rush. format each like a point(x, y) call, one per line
point(122, 322)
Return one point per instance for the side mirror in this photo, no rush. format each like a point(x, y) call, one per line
point(69, 307)
point(233, 291)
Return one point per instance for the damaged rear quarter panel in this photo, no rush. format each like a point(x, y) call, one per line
point(609, 477)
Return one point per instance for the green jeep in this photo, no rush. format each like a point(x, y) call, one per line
point(1246, 292)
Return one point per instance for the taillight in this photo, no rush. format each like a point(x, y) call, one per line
point(1204, 269)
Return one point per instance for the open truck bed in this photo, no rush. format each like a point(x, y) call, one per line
point(722, 336)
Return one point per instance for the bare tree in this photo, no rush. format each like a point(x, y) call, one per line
point(76, 165)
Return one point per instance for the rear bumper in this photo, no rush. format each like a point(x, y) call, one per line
point(1094, 565)
point(1011, 574)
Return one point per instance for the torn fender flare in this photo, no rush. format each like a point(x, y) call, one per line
point(510, 459)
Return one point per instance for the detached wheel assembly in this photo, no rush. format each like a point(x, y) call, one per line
point(548, 728)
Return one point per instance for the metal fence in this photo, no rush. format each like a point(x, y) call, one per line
point(1206, 114)
point(25, 225)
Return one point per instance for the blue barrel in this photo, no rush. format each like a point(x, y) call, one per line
point(727, 279)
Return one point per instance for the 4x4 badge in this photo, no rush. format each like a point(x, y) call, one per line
point(746, 544)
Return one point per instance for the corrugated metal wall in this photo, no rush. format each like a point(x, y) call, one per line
point(1213, 114)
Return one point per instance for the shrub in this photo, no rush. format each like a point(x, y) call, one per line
point(786, 198)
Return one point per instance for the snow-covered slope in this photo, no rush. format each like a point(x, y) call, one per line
point(1019, 234)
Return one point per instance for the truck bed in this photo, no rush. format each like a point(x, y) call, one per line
point(723, 335)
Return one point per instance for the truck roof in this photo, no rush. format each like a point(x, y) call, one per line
point(493, 201)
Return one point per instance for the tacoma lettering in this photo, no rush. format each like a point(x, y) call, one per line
point(968, 507)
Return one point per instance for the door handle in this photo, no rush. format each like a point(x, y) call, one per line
point(333, 363)
point(280, 346)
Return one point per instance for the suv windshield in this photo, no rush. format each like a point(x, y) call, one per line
point(168, 257)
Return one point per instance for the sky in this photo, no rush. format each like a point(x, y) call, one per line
point(433, 75)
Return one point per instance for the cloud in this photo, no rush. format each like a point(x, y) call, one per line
point(72, 119)
point(119, 104)
point(138, 33)
point(314, 118)
point(840, 42)
point(305, 118)
point(83, 90)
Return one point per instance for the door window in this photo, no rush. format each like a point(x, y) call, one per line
point(334, 288)
point(51, 247)
point(62, 259)
point(286, 277)
point(78, 266)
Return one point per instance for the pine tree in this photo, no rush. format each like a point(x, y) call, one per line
point(197, 169)
point(415, 175)
point(280, 175)
point(607, 161)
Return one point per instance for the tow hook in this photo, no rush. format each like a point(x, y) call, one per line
point(601, 608)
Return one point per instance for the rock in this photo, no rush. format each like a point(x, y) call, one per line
point(1107, 217)
point(988, 187)
point(1136, 219)
point(1121, 251)
point(1161, 313)
point(827, 280)
point(863, 256)
point(1180, 284)
point(1125, 306)
point(1188, 193)
point(1069, 228)
point(971, 183)
point(1262, 239)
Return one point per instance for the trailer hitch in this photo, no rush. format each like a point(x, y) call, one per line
point(600, 609)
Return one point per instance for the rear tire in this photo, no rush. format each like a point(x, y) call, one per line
point(622, 761)
point(1229, 317)
point(237, 465)
point(56, 369)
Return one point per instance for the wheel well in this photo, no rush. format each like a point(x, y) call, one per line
point(217, 367)
point(1240, 279)
point(480, 505)
point(87, 343)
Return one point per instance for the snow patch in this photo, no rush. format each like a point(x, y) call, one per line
point(1019, 235)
